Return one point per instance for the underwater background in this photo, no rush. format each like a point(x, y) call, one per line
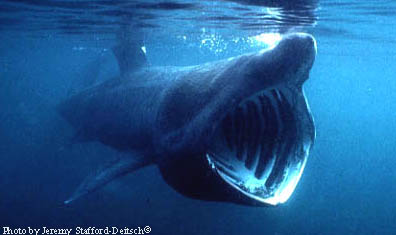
point(49, 49)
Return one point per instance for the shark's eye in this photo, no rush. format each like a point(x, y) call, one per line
point(261, 147)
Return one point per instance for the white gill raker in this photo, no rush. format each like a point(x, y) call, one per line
point(287, 141)
point(228, 129)
point(276, 151)
point(246, 132)
point(257, 120)
point(241, 131)
point(251, 163)
point(267, 157)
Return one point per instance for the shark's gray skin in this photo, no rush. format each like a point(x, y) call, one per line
point(236, 130)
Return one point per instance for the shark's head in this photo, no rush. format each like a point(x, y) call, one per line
point(250, 119)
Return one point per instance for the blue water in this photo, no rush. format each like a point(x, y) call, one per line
point(48, 49)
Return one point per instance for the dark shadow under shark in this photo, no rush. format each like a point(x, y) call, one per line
point(236, 130)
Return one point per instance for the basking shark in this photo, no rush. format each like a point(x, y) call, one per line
point(235, 130)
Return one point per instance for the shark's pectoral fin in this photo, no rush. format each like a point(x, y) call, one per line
point(108, 173)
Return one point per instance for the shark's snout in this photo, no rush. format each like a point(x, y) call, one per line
point(288, 62)
point(298, 45)
point(298, 51)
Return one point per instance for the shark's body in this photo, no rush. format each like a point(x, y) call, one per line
point(241, 123)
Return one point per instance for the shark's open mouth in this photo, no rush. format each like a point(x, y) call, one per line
point(261, 147)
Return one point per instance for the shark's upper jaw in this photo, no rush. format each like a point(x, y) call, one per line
point(261, 147)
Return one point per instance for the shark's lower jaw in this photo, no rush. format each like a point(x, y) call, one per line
point(261, 147)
